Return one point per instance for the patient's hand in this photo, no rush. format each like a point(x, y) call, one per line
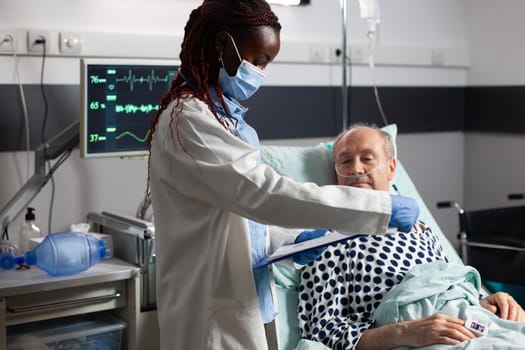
point(437, 329)
point(504, 305)
point(434, 329)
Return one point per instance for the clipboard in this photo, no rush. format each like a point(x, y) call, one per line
point(287, 251)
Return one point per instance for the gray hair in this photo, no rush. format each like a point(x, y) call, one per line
point(387, 138)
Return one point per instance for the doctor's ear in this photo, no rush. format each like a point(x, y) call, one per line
point(227, 53)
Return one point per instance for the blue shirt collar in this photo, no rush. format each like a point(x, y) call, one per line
point(235, 109)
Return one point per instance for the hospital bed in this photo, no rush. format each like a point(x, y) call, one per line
point(315, 164)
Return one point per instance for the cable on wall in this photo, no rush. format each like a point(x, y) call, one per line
point(42, 89)
point(344, 86)
point(24, 110)
point(10, 41)
point(42, 134)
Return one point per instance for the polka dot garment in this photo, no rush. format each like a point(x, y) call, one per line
point(340, 291)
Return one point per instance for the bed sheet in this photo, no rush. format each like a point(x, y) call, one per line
point(453, 290)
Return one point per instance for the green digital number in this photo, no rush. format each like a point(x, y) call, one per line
point(94, 105)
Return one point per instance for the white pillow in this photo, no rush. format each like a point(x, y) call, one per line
point(309, 164)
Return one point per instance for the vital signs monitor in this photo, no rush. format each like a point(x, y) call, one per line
point(118, 99)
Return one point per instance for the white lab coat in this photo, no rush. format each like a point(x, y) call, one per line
point(205, 182)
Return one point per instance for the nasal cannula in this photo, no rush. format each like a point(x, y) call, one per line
point(357, 176)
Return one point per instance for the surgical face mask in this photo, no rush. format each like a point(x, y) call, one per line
point(344, 171)
point(244, 83)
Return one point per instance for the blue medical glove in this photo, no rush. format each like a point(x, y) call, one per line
point(405, 212)
point(306, 257)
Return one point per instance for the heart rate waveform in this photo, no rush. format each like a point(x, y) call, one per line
point(131, 108)
point(130, 134)
point(93, 138)
point(149, 79)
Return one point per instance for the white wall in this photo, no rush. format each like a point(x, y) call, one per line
point(495, 31)
point(118, 185)
point(435, 163)
point(495, 165)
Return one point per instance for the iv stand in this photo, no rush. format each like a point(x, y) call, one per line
point(66, 140)
point(344, 86)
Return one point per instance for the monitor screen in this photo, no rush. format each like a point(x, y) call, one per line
point(118, 99)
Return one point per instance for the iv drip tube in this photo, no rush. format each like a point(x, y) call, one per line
point(344, 86)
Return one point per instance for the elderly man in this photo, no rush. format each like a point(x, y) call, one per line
point(341, 289)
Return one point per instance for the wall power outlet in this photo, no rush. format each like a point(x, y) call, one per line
point(34, 38)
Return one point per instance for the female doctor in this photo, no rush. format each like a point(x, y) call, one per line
point(211, 196)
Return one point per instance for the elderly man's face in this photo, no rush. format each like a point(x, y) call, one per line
point(362, 151)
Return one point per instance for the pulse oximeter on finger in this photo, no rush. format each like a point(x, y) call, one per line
point(476, 327)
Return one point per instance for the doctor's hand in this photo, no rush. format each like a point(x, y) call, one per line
point(306, 257)
point(405, 212)
point(504, 305)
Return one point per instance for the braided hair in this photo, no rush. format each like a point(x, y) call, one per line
point(198, 47)
point(198, 52)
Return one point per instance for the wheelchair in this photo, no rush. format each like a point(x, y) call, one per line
point(493, 241)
